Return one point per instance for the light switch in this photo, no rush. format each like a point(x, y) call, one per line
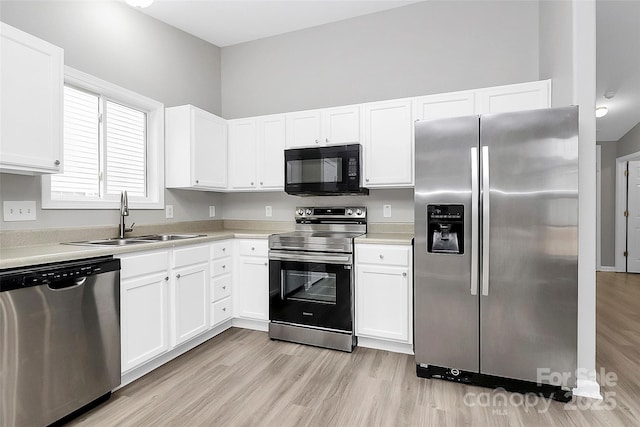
point(168, 210)
point(267, 211)
point(386, 211)
point(212, 211)
point(19, 211)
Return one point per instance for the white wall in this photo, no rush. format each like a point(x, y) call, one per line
point(119, 44)
point(572, 66)
point(424, 48)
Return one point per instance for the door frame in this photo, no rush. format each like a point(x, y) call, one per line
point(598, 208)
point(621, 205)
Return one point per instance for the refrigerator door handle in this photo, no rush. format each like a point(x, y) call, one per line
point(485, 220)
point(475, 200)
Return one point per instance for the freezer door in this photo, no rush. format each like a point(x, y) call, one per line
point(445, 286)
point(528, 307)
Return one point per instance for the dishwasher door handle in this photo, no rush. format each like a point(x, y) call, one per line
point(65, 285)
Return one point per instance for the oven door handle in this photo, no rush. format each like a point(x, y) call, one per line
point(324, 258)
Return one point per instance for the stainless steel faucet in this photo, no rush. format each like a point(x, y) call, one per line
point(124, 211)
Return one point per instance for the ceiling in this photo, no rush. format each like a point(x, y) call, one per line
point(227, 22)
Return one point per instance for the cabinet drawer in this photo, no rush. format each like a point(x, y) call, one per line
point(220, 311)
point(221, 249)
point(221, 266)
point(143, 263)
point(190, 255)
point(254, 247)
point(383, 254)
point(221, 287)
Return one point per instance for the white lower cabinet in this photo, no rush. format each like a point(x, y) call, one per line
point(190, 295)
point(384, 293)
point(144, 307)
point(251, 287)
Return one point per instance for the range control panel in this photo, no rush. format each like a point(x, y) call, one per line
point(307, 213)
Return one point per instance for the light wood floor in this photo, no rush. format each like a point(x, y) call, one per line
point(241, 378)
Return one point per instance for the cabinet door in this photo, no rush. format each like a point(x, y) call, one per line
point(454, 104)
point(341, 125)
point(272, 138)
point(243, 145)
point(209, 151)
point(144, 311)
point(31, 98)
point(523, 96)
point(252, 288)
point(388, 144)
point(304, 129)
point(382, 302)
point(190, 302)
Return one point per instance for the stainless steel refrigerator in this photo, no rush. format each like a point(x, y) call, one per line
point(496, 249)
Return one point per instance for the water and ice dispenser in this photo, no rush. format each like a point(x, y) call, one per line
point(445, 229)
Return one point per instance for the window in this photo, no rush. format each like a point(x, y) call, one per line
point(113, 141)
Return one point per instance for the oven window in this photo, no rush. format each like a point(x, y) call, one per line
point(326, 169)
point(310, 286)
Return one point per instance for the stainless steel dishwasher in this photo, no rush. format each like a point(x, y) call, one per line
point(59, 339)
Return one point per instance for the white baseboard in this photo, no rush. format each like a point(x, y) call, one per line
point(610, 268)
point(392, 346)
point(588, 388)
point(256, 325)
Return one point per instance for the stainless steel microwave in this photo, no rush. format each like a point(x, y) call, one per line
point(324, 171)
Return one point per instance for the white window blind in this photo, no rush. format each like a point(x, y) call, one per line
point(101, 159)
point(125, 149)
point(81, 148)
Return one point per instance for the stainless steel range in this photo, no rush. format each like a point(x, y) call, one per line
point(311, 277)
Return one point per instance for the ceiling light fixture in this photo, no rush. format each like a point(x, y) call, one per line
point(139, 3)
point(601, 111)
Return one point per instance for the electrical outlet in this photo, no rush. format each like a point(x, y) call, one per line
point(268, 211)
point(19, 211)
point(168, 211)
point(386, 211)
point(212, 211)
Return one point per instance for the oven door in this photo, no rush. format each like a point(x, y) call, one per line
point(311, 289)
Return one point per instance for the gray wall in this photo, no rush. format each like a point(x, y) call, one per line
point(607, 203)
point(121, 45)
point(425, 48)
point(556, 49)
point(629, 143)
point(420, 49)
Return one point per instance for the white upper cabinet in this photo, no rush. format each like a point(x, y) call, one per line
point(304, 129)
point(388, 144)
point(196, 149)
point(516, 97)
point(256, 153)
point(31, 103)
point(445, 105)
point(330, 126)
point(243, 155)
point(341, 125)
point(271, 142)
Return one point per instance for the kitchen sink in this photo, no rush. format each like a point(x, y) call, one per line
point(168, 237)
point(136, 240)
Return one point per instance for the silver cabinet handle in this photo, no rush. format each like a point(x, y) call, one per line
point(266, 263)
point(260, 182)
point(197, 181)
point(485, 220)
point(317, 141)
point(224, 287)
point(178, 276)
point(381, 256)
point(166, 279)
point(252, 248)
point(224, 249)
point(404, 274)
point(224, 266)
point(224, 308)
point(57, 163)
point(326, 139)
point(366, 179)
point(251, 182)
point(475, 200)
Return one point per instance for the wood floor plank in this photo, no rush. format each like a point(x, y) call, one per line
point(241, 378)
